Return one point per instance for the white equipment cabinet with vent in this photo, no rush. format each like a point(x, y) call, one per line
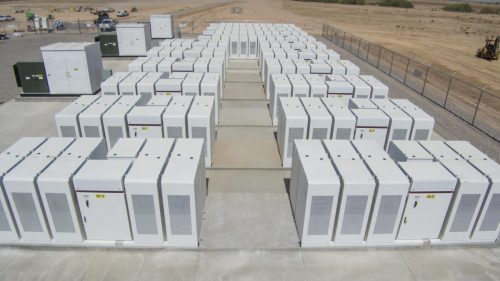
point(145, 122)
point(110, 85)
point(271, 66)
point(357, 103)
point(357, 191)
point(423, 123)
point(318, 189)
point(487, 227)
point(344, 122)
point(191, 84)
point(340, 149)
point(300, 87)
point(341, 90)
point(211, 85)
point(431, 191)
point(184, 190)
point(403, 151)
point(371, 124)
point(23, 193)
point(166, 65)
point(378, 89)
point(147, 86)
point(128, 86)
point(134, 39)
point(350, 68)
point(292, 125)
point(101, 197)
point(388, 203)
point(317, 86)
point(370, 149)
point(152, 64)
point(439, 149)
point(91, 118)
point(115, 119)
point(466, 150)
point(175, 117)
point(143, 192)
point(67, 119)
point(320, 120)
point(126, 149)
point(58, 195)
point(162, 26)
point(361, 89)
point(280, 87)
point(11, 157)
point(169, 87)
point(73, 68)
point(400, 124)
point(154, 52)
point(467, 200)
point(201, 124)
point(136, 65)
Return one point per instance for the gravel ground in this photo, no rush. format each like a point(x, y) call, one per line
point(26, 49)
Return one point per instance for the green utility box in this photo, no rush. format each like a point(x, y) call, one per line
point(109, 44)
point(31, 77)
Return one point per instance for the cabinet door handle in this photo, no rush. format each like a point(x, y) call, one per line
point(404, 221)
point(87, 203)
point(84, 219)
point(415, 204)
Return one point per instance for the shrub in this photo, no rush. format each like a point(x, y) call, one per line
point(489, 10)
point(133, 10)
point(352, 2)
point(459, 7)
point(396, 3)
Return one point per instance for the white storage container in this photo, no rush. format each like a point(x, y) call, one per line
point(292, 125)
point(128, 86)
point(67, 119)
point(184, 189)
point(73, 68)
point(91, 118)
point(344, 122)
point(320, 120)
point(115, 119)
point(137, 64)
point(279, 87)
point(110, 85)
point(126, 149)
point(101, 197)
point(423, 123)
point(400, 124)
point(371, 124)
point(145, 122)
point(175, 117)
point(201, 124)
point(134, 39)
point(162, 26)
point(402, 151)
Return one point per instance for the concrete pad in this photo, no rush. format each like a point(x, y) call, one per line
point(112, 265)
point(243, 64)
point(243, 181)
point(243, 75)
point(116, 64)
point(250, 133)
point(244, 90)
point(255, 265)
point(355, 265)
point(27, 119)
point(244, 113)
point(248, 221)
point(453, 264)
point(168, 266)
point(247, 151)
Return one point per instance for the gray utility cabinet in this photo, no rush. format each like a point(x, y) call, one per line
point(73, 68)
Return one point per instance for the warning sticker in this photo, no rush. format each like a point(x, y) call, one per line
point(99, 196)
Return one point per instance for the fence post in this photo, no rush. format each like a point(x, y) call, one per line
point(4, 30)
point(379, 53)
point(406, 71)
point(343, 40)
point(425, 79)
point(79, 27)
point(392, 60)
point(477, 107)
point(447, 92)
point(359, 45)
point(368, 51)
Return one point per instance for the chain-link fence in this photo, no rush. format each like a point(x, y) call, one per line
point(470, 103)
point(51, 26)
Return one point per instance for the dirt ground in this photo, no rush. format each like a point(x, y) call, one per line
point(426, 33)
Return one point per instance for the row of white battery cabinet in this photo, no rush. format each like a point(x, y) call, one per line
point(67, 191)
point(115, 117)
point(170, 65)
point(150, 84)
point(301, 66)
point(379, 120)
point(292, 52)
point(340, 87)
point(293, 33)
point(185, 52)
point(353, 194)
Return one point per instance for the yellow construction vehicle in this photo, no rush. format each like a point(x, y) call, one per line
point(491, 50)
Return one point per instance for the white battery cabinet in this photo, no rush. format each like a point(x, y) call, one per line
point(271, 66)
point(487, 226)
point(110, 85)
point(336, 67)
point(134, 39)
point(341, 90)
point(321, 67)
point(400, 124)
point(136, 65)
point(357, 191)
point(300, 87)
point(279, 87)
point(145, 122)
point(73, 68)
point(439, 150)
point(287, 66)
point(201, 124)
point(370, 149)
point(23, 193)
point(320, 120)
point(307, 54)
point(175, 117)
point(152, 64)
point(466, 150)
point(431, 190)
point(423, 123)
point(371, 124)
point(344, 122)
point(217, 65)
point(128, 86)
point(361, 89)
point(115, 119)
point(55, 185)
point(101, 198)
point(193, 52)
point(165, 65)
point(143, 192)
point(350, 68)
point(24, 146)
point(159, 101)
point(162, 26)
point(292, 125)
point(379, 89)
point(185, 65)
point(357, 103)
point(403, 151)
point(318, 189)
point(467, 200)
point(67, 119)
point(191, 84)
point(302, 66)
point(234, 46)
point(154, 52)
point(243, 46)
point(169, 86)
point(388, 203)
point(184, 189)
point(340, 149)
point(126, 149)
point(91, 118)
point(211, 86)
point(317, 86)
point(201, 64)
point(165, 52)
point(146, 88)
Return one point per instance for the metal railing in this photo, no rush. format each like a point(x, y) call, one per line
point(470, 103)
